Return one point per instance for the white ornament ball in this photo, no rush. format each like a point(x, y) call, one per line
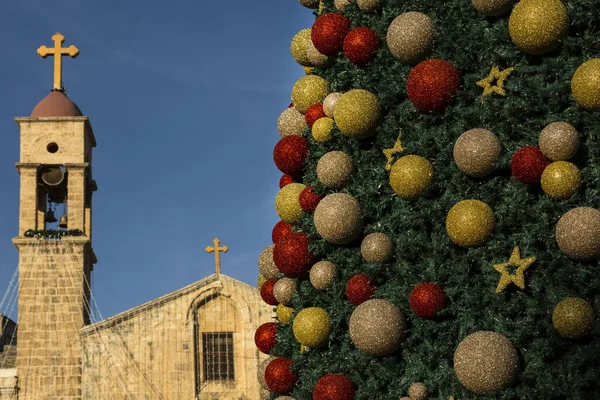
point(334, 169)
point(323, 275)
point(284, 290)
point(291, 123)
point(316, 58)
point(266, 265)
point(338, 218)
point(492, 8)
point(559, 141)
point(330, 102)
point(476, 152)
point(410, 37)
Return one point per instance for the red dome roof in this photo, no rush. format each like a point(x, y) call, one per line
point(56, 104)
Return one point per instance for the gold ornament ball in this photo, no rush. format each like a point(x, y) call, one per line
point(310, 3)
point(538, 26)
point(259, 282)
point(338, 218)
point(369, 5)
point(284, 314)
point(418, 391)
point(334, 169)
point(299, 45)
point(578, 233)
point(376, 248)
point(377, 327)
point(312, 327)
point(410, 37)
point(561, 180)
point(308, 70)
point(316, 58)
point(323, 275)
point(573, 317)
point(585, 85)
point(309, 90)
point(357, 113)
point(410, 176)
point(341, 4)
point(266, 265)
point(291, 122)
point(470, 223)
point(492, 8)
point(284, 290)
point(476, 152)
point(330, 102)
point(321, 130)
point(287, 204)
point(486, 362)
point(559, 141)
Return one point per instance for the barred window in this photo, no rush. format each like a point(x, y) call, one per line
point(217, 356)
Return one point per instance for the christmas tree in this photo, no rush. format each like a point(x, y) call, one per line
point(440, 228)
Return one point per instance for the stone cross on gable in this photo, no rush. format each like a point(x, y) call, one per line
point(58, 52)
point(216, 249)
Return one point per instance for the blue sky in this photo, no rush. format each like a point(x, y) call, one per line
point(183, 97)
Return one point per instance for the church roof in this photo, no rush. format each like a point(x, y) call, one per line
point(56, 104)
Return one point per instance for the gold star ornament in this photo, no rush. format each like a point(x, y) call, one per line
point(494, 83)
point(389, 153)
point(518, 278)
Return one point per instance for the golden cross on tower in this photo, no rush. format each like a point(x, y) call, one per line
point(58, 52)
point(216, 249)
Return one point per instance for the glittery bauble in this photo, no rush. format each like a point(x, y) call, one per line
point(476, 152)
point(432, 84)
point(410, 37)
point(260, 371)
point(538, 26)
point(298, 47)
point(313, 113)
point(291, 123)
point(359, 289)
point(321, 130)
point(470, 223)
point(341, 4)
point(279, 376)
point(312, 327)
point(492, 8)
point(284, 314)
point(338, 218)
point(266, 292)
point(486, 362)
point(265, 337)
point(309, 199)
point(285, 179)
point(357, 113)
point(376, 248)
point(561, 180)
point(291, 255)
point(369, 5)
point(323, 275)
point(585, 85)
point(377, 327)
point(290, 154)
point(573, 317)
point(310, 3)
point(328, 33)
point(308, 70)
point(410, 176)
point(280, 229)
point(559, 141)
point(427, 300)
point(287, 203)
point(334, 169)
point(578, 233)
point(284, 290)
point(528, 164)
point(330, 102)
point(360, 45)
point(284, 398)
point(418, 391)
point(317, 58)
point(333, 387)
point(266, 265)
point(309, 90)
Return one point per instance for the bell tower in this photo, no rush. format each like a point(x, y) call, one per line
point(55, 240)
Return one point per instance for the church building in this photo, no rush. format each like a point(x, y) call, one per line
point(195, 343)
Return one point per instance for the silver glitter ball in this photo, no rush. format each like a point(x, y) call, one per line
point(559, 141)
point(338, 218)
point(316, 58)
point(410, 37)
point(291, 122)
point(310, 3)
point(377, 327)
point(334, 169)
point(266, 265)
point(284, 290)
point(417, 391)
point(492, 8)
point(578, 233)
point(323, 275)
point(330, 102)
point(476, 152)
point(260, 371)
point(341, 4)
point(369, 5)
point(376, 248)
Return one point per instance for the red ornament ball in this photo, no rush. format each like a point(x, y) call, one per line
point(528, 164)
point(290, 154)
point(432, 84)
point(266, 292)
point(291, 255)
point(280, 229)
point(265, 337)
point(285, 179)
point(360, 45)
point(291, 105)
point(328, 33)
point(427, 300)
point(313, 113)
point(359, 289)
point(279, 376)
point(309, 199)
point(334, 387)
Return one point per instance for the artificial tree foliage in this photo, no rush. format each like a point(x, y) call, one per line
point(538, 93)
